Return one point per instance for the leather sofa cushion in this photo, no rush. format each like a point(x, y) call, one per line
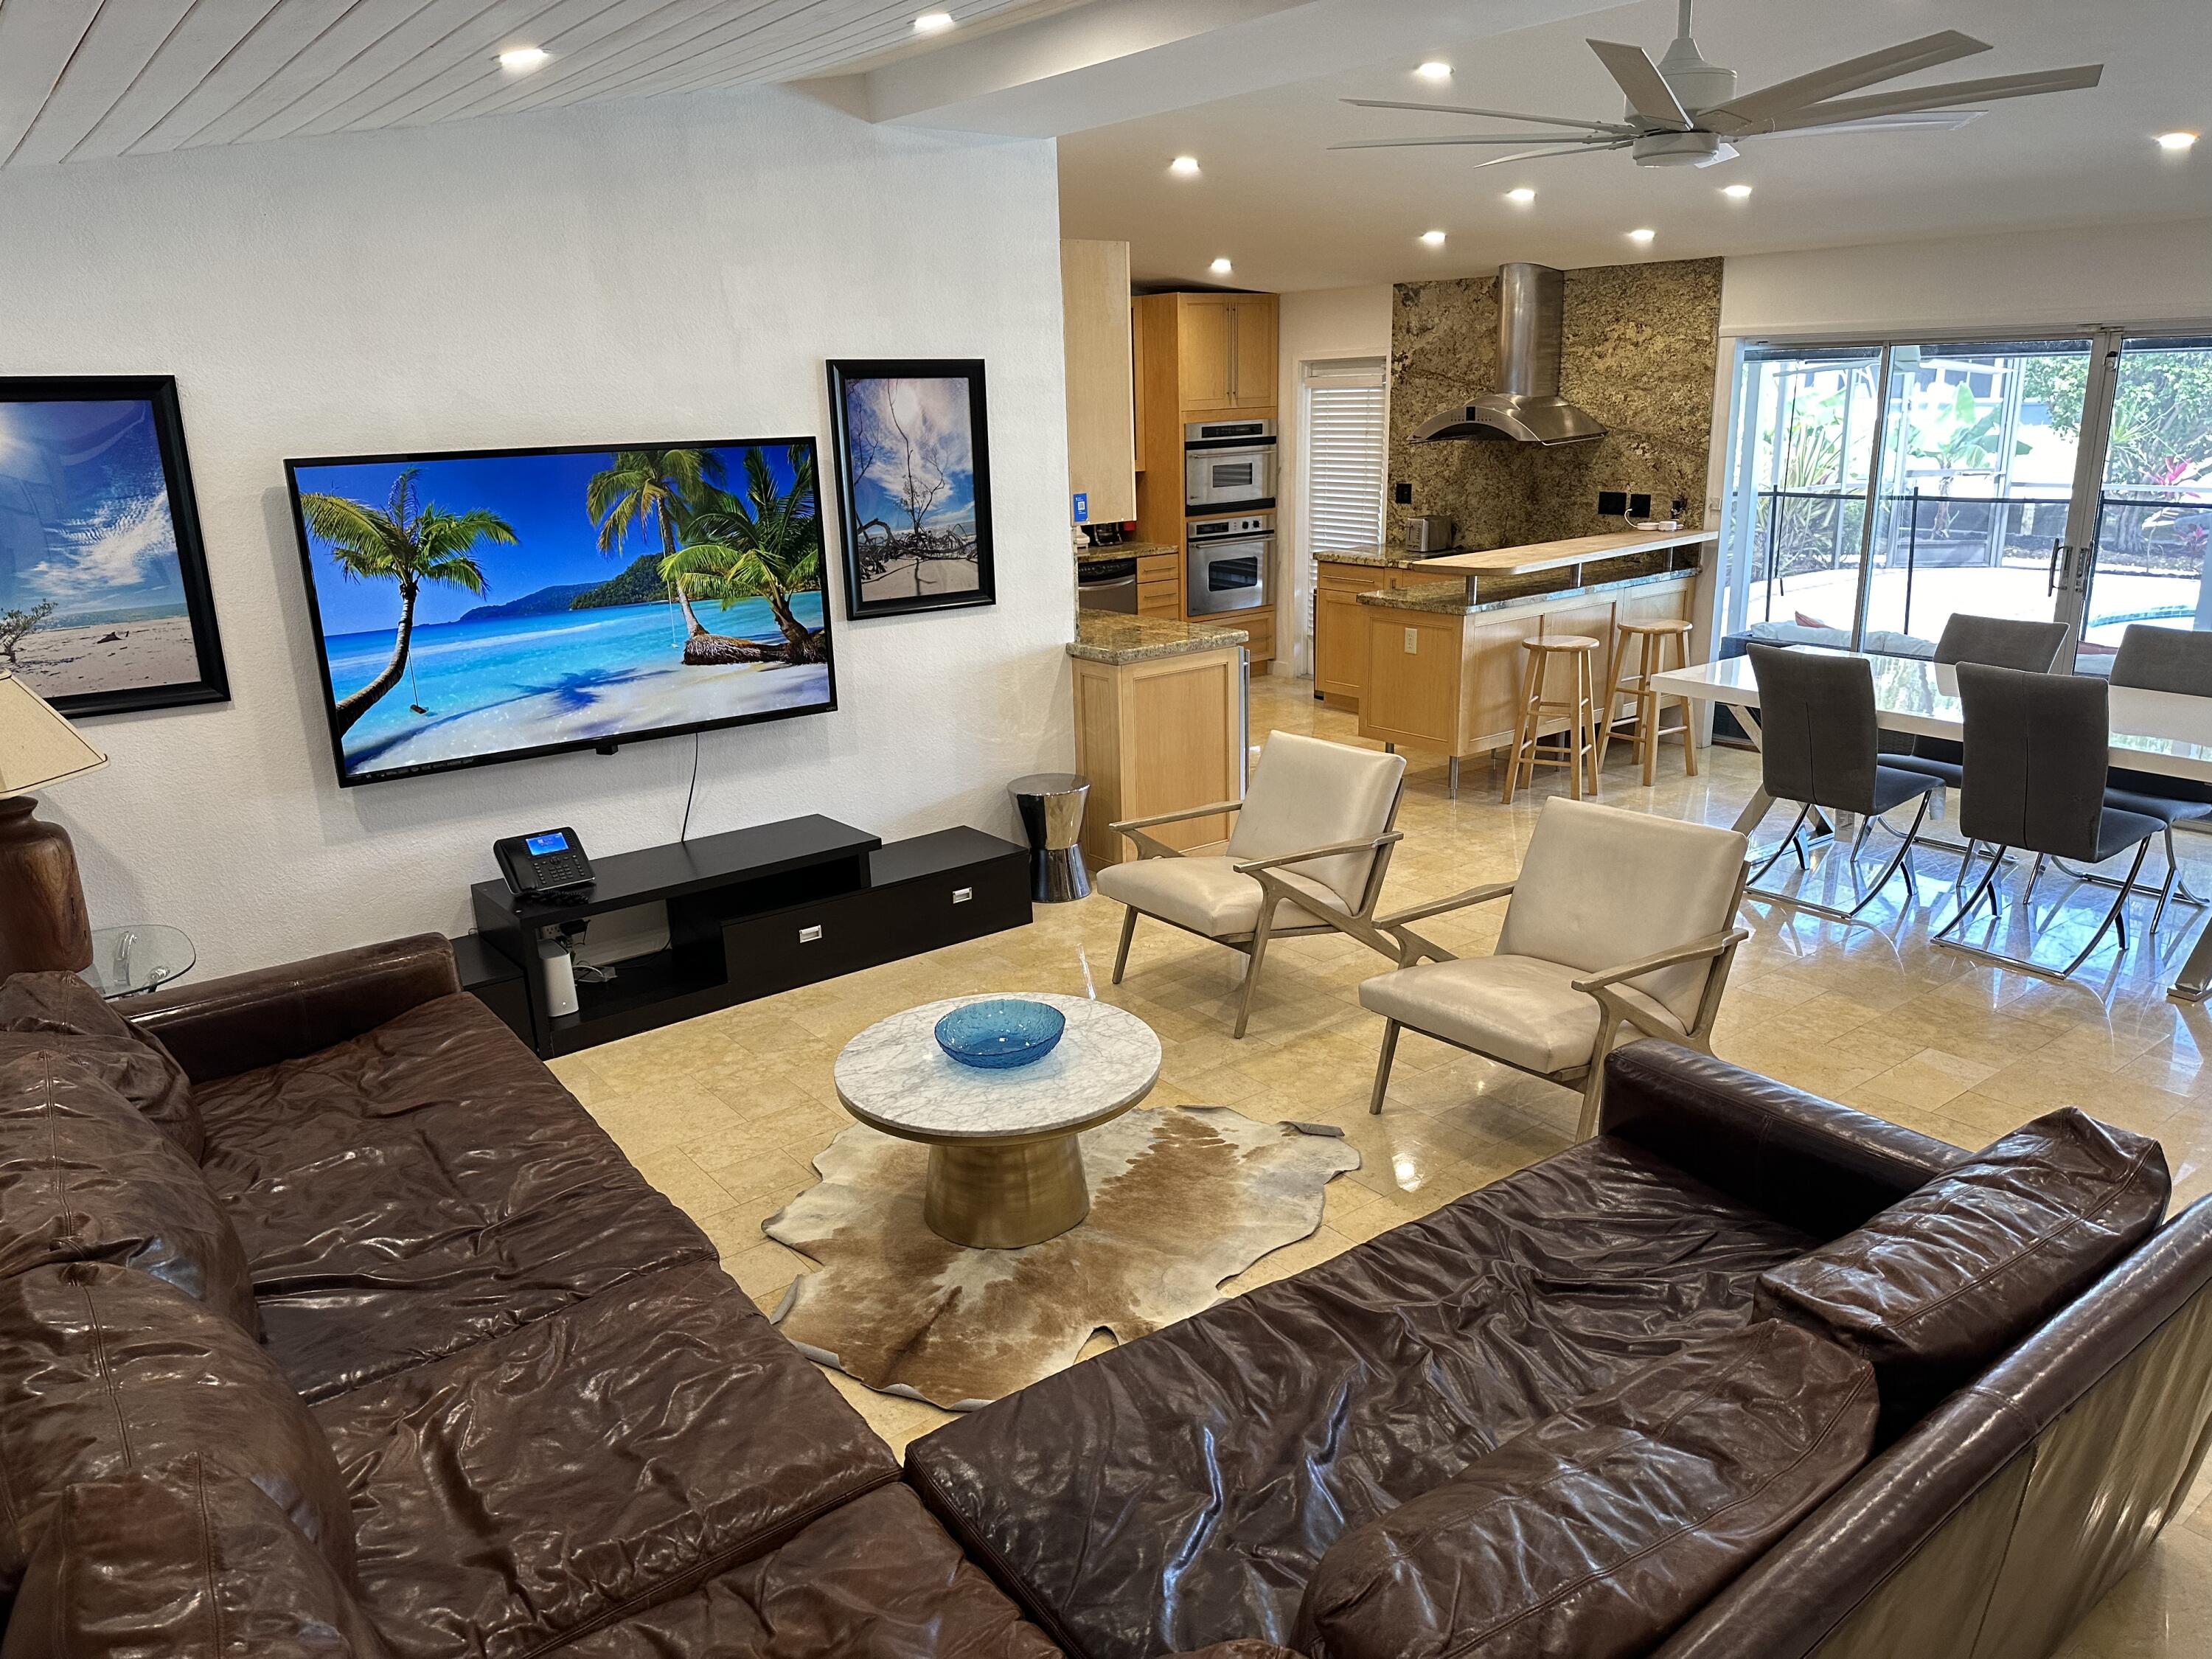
point(105, 1371)
point(1180, 1489)
point(422, 1187)
point(613, 1454)
point(64, 1009)
point(875, 1579)
point(1597, 1531)
point(197, 1565)
point(1519, 1009)
point(85, 1177)
point(1936, 1287)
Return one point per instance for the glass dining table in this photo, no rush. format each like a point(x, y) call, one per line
point(2160, 731)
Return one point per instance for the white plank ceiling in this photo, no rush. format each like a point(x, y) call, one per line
point(80, 79)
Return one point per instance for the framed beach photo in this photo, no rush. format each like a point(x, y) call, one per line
point(495, 605)
point(105, 607)
point(914, 484)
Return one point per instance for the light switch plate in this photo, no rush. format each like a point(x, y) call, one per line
point(1413, 642)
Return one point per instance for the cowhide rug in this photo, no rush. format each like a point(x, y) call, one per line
point(1182, 1198)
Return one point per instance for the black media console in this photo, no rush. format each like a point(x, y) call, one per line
point(749, 913)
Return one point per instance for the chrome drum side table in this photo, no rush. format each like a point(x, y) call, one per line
point(1051, 806)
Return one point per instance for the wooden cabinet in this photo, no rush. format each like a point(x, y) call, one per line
point(1102, 454)
point(1261, 626)
point(1252, 350)
point(1159, 585)
point(1158, 736)
point(1205, 339)
point(1136, 379)
point(1340, 624)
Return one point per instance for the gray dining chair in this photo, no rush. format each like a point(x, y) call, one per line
point(2036, 747)
point(2161, 659)
point(1997, 642)
point(1818, 747)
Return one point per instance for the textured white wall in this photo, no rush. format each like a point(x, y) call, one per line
point(653, 270)
point(2143, 273)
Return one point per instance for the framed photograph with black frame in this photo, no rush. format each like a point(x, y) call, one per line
point(914, 483)
point(105, 607)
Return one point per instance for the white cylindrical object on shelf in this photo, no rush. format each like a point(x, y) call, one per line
point(557, 973)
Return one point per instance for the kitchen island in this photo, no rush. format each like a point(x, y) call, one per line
point(1443, 665)
point(1159, 725)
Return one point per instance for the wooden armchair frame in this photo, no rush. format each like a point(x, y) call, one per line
point(1359, 924)
point(1613, 1011)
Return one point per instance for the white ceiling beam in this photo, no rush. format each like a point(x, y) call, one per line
point(36, 45)
point(210, 32)
point(1115, 60)
point(120, 45)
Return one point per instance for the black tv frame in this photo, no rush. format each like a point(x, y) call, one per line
point(602, 745)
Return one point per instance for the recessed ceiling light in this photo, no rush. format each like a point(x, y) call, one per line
point(932, 22)
point(1184, 166)
point(1739, 192)
point(1433, 238)
point(1523, 197)
point(521, 60)
point(1435, 70)
point(1221, 267)
point(1641, 235)
point(2176, 140)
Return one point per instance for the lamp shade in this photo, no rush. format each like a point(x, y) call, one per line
point(37, 746)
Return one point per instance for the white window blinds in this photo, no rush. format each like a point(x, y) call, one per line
point(1345, 441)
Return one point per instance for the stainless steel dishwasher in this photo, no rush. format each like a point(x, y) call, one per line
point(1107, 584)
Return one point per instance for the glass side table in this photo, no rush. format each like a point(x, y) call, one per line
point(128, 960)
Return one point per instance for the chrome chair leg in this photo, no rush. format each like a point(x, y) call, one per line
point(1989, 875)
point(2034, 875)
point(1787, 842)
point(1834, 913)
point(2173, 879)
point(2182, 895)
point(2113, 916)
point(1997, 958)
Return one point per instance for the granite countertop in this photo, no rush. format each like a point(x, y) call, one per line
point(1576, 549)
point(1384, 556)
point(1120, 550)
point(1452, 598)
point(1113, 636)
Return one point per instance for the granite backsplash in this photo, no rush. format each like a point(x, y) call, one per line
point(1639, 346)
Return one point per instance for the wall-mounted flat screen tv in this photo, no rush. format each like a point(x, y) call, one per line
point(482, 606)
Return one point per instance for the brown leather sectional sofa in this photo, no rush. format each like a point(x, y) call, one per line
point(346, 1333)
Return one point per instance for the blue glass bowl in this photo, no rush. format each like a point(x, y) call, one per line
point(1002, 1033)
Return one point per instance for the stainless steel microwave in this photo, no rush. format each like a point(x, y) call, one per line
point(1229, 463)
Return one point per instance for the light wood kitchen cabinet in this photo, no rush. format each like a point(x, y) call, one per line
point(1159, 735)
point(1341, 625)
point(1253, 325)
point(1159, 585)
point(1101, 454)
point(1204, 336)
point(1137, 379)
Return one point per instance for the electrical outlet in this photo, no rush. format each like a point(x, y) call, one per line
point(1611, 503)
point(1682, 506)
point(1403, 494)
point(1639, 507)
point(1413, 642)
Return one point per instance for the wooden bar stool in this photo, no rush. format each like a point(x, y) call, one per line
point(1578, 748)
point(1650, 639)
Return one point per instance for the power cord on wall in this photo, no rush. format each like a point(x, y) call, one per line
point(691, 795)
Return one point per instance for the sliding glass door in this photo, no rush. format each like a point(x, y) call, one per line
point(2154, 514)
point(1875, 490)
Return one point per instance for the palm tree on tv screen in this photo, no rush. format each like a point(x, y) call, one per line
point(645, 489)
point(766, 545)
point(406, 542)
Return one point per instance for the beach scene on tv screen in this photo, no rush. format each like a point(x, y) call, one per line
point(477, 605)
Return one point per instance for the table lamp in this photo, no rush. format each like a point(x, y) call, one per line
point(43, 925)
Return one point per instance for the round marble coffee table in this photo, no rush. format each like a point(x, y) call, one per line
point(1005, 1167)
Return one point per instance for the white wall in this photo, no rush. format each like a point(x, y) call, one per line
point(1315, 322)
point(2122, 274)
point(652, 271)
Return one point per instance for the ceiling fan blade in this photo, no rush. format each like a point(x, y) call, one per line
point(1937, 120)
point(1649, 94)
point(1570, 149)
point(1546, 139)
point(1746, 113)
point(1916, 101)
point(1494, 114)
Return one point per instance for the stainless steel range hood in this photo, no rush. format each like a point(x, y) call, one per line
point(1527, 408)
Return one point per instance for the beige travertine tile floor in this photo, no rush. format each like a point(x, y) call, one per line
point(725, 1112)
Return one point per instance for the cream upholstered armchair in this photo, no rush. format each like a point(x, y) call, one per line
point(1313, 836)
point(1620, 926)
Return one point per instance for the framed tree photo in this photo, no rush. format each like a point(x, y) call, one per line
point(105, 607)
point(914, 484)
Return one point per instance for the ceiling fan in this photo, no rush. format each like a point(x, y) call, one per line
point(1684, 112)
